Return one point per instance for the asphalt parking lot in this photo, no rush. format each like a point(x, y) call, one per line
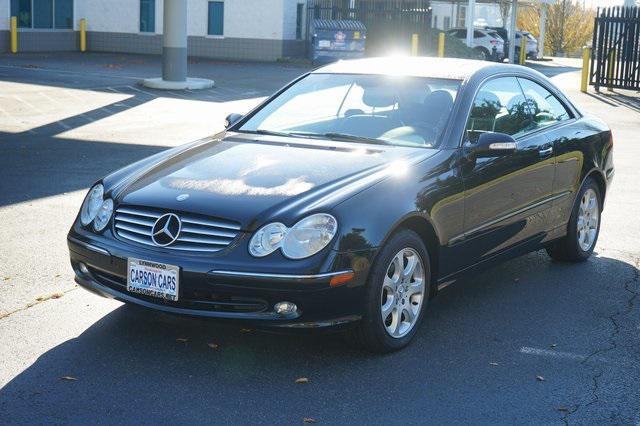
point(529, 342)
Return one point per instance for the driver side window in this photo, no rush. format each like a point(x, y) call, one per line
point(501, 107)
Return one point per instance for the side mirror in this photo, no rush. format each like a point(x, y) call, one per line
point(231, 120)
point(491, 144)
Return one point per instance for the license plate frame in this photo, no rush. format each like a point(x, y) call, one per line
point(153, 279)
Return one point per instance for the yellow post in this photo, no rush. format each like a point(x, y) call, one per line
point(611, 68)
point(414, 45)
point(441, 45)
point(586, 59)
point(523, 49)
point(14, 34)
point(83, 35)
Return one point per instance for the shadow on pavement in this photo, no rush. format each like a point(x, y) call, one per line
point(130, 367)
point(618, 99)
point(38, 163)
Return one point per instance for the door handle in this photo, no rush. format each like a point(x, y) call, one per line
point(545, 152)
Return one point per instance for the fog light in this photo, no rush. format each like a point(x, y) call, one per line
point(285, 308)
point(83, 268)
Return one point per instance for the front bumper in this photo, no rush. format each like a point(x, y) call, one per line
point(223, 294)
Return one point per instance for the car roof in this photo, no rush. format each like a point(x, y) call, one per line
point(449, 68)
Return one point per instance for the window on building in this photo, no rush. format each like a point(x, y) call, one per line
point(434, 24)
point(147, 16)
point(299, 19)
point(63, 13)
point(43, 14)
point(216, 18)
point(462, 16)
point(447, 23)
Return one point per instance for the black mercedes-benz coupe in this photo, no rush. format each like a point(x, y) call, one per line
point(349, 197)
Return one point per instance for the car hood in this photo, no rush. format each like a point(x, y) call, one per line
point(251, 178)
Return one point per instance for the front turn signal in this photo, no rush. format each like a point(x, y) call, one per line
point(341, 279)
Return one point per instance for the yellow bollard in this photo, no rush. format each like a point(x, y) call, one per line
point(414, 45)
point(83, 35)
point(14, 34)
point(611, 69)
point(523, 49)
point(441, 45)
point(586, 60)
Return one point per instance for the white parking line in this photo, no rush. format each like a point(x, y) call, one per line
point(142, 91)
point(559, 354)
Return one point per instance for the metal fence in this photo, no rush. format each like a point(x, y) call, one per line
point(390, 23)
point(615, 57)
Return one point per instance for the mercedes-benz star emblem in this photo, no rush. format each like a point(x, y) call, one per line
point(166, 229)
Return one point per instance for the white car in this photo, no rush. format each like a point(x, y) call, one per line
point(484, 41)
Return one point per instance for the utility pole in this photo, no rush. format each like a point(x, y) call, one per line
point(174, 51)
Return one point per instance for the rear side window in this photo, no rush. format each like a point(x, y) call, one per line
point(501, 107)
point(546, 109)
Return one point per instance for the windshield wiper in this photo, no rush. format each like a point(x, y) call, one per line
point(271, 132)
point(353, 138)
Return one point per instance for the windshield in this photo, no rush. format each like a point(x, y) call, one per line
point(364, 108)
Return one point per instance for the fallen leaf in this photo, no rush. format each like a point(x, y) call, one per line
point(302, 380)
point(493, 363)
point(540, 378)
point(7, 278)
point(212, 345)
point(245, 330)
point(56, 295)
point(69, 378)
point(562, 409)
point(182, 340)
point(309, 420)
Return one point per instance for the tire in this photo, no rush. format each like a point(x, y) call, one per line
point(374, 333)
point(483, 52)
point(574, 247)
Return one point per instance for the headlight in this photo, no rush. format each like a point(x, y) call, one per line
point(103, 216)
point(304, 239)
point(267, 239)
point(309, 236)
point(91, 204)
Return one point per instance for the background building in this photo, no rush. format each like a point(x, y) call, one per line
point(234, 29)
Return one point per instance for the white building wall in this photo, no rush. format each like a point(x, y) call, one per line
point(118, 16)
point(262, 19)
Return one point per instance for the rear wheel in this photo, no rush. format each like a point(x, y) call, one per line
point(483, 53)
point(583, 228)
point(396, 295)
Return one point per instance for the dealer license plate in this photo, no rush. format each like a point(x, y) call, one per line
point(153, 279)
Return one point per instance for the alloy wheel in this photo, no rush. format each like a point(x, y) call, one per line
point(588, 216)
point(402, 293)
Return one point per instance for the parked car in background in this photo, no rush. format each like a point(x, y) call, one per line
point(484, 42)
point(350, 197)
point(504, 35)
point(532, 44)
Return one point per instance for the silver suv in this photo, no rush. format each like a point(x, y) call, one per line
point(484, 41)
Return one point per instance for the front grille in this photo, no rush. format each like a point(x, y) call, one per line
point(197, 234)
